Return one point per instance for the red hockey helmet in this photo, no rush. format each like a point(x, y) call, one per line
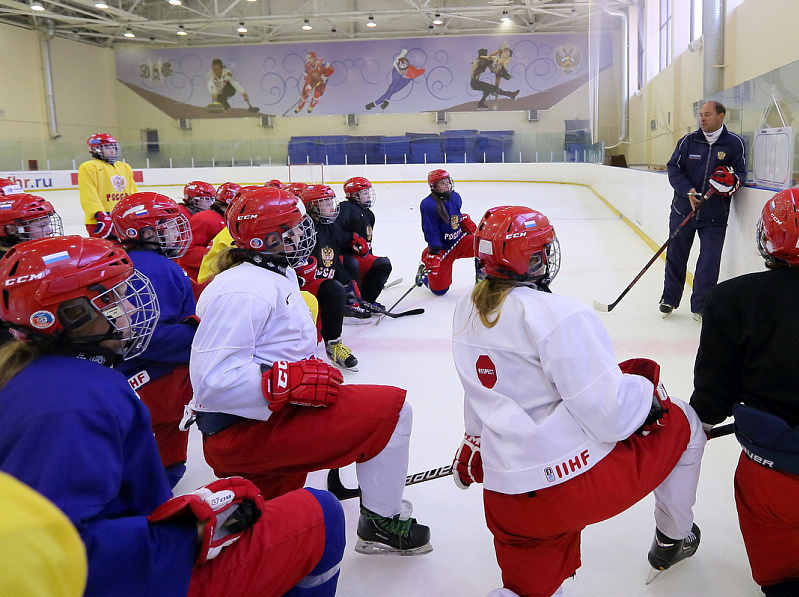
point(275, 183)
point(27, 217)
point(296, 188)
point(778, 229)
point(56, 286)
point(198, 195)
point(151, 218)
point(9, 187)
point(320, 202)
point(227, 191)
point(517, 243)
point(104, 147)
point(271, 221)
point(360, 190)
point(440, 182)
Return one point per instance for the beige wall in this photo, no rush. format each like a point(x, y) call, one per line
point(22, 93)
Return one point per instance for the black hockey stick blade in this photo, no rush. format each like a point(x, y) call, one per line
point(403, 313)
point(727, 429)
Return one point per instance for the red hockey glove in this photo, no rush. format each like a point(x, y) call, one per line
point(467, 468)
point(104, 226)
point(724, 181)
point(305, 383)
point(467, 224)
point(228, 507)
point(432, 262)
point(359, 245)
point(661, 403)
point(306, 273)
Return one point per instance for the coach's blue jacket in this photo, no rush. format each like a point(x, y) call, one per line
point(691, 165)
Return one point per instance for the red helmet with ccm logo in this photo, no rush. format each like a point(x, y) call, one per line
point(135, 214)
point(52, 286)
point(517, 243)
point(359, 189)
point(270, 220)
point(778, 229)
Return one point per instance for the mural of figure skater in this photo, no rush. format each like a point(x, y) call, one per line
point(496, 63)
point(223, 85)
point(404, 72)
point(316, 76)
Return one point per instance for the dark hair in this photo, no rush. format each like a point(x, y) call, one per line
point(718, 107)
point(482, 52)
point(217, 62)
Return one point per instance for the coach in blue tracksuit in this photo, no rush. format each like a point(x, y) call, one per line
point(690, 168)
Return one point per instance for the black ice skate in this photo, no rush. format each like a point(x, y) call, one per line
point(384, 105)
point(398, 535)
point(340, 355)
point(355, 314)
point(370, 105)
point(665, 552)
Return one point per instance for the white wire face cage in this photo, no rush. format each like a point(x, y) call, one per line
point(327, 209)
point(202, 202)
point(174, 236)
point(43, 227)
point(299, 242)
point(131, 307)
point(366, 197)
point(553, 259)
point(108, 152)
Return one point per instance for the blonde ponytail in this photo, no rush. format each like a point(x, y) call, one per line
point(14, 357)
point(487, 298)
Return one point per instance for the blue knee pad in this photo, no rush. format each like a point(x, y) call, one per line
point(174, 473)
point(439, 292)
point(323, 579)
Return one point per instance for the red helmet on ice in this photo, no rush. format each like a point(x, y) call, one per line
point(275, 183)
point(359, 189)
point(56, 286)
point(440, 182)
point(227, 191)
point(269, 220)
point(104, 147)
point(778, 229)
point(152, 219)
point(517, 243)
point(320, 202)
point(27, 217)
point(198, 195)
point(9, 187)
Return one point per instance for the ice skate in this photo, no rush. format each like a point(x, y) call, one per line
point(341, 355)
point(384, 105)
point(513, 94)
point(481, 105)
point(397, 535)
point(370, 105)
point(355, 314)
point(666, 552)
point(665, 309)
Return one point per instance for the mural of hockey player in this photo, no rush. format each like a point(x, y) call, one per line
point(495, 63)
point(222, 85)
point(316, 76)
point(404, 72)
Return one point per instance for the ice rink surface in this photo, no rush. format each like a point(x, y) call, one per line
point(600, 256)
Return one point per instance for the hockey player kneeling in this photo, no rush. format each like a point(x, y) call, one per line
point(623, 436)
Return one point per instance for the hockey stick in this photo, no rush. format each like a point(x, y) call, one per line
point(378, 310)
point(419, 278)
point(393, 283)
point(337, 488)
point(606, 308)
point(292, 105)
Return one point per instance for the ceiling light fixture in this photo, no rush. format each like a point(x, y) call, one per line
point(306, 26)
point(437, 20)
point(101, 4)
point(181, 30)
point(175, 2)
point(371, 22)
point(37, 6)
point(129, 33)
point(242, 28)
point(505, 18)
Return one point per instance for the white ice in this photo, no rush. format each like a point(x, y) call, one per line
point(600, 256)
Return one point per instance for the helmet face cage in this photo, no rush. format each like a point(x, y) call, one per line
point(104, 147)
point(360, 190)
point(198, 195)
point(321, 203)
point(174, 236)
point(226, 192)
point(131, 307)
point(440, 182)
point(778, 229)
point(41, 227)
point(299, 242)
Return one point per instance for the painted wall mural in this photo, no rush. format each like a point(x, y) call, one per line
point(514, 72)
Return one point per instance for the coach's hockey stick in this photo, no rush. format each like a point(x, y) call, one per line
point(337, 488)
point(606, 308)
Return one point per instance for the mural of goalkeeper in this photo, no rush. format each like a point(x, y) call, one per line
point(316, 76)
point(404, 72)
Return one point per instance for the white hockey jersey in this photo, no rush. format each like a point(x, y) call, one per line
point(543, 389)
point(248, 316)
